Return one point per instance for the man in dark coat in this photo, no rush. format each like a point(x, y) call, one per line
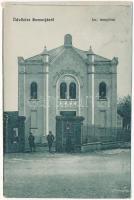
point(50, 139)
point(31, 142)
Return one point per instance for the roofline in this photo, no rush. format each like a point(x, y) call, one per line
point(73, 47)
point(41, 53)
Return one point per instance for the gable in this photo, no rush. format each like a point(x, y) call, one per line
point(68, 57)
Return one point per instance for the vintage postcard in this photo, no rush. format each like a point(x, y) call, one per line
point(67, 70)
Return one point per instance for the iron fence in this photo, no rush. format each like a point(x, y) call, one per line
point(98, 134)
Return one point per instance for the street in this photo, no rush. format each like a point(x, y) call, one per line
point(100, 174)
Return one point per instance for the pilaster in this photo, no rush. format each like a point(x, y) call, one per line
point(90, 75)
point(45, 58)
point(21, 86)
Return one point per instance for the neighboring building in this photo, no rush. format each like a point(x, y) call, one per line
point(13, 129)
point(67, 80)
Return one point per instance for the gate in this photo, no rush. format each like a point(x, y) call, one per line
point(68, 133)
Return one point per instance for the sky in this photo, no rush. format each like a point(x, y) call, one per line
point(26, 39)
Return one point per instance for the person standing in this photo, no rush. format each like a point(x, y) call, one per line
point(50, 139)
point(31, 142)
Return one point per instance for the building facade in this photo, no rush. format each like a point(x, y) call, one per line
point(67, 80)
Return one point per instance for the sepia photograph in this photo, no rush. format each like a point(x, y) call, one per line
point(67, 73)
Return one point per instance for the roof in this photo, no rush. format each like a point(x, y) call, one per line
point(54, 53)
point(59, 50)
point(97, 58)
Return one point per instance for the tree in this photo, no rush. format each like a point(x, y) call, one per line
point(124, 110)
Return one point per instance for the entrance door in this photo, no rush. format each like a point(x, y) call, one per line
point(68, 133)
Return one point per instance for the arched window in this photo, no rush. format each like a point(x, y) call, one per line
point(102, 90)
point(63, 91)
point(72, 90)
point(33, 90)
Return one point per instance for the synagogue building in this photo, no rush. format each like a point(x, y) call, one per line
point(67, 81)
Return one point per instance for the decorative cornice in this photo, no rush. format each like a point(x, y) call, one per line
point(33, 72)
point(34, 62)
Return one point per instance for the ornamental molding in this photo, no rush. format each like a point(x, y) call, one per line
point(102, 63)
point(34, 62)
point(67, 72)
